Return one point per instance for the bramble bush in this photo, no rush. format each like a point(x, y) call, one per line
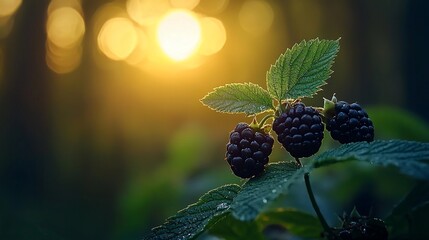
point(242, 212)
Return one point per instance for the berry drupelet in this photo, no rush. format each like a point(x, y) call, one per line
point(248, 150)
point(299, 130)
point(350, 123)
point(362, 228)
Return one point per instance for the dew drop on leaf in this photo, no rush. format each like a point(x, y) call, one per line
point(222, 206)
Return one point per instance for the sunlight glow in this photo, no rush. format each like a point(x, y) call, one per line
point(188, 4)
point(214, 36)
point(117, 38)
point(8, 7)
point(146, 12)
point(256, 17)
point(179, 34)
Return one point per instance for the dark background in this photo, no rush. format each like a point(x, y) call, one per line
point(108, 151)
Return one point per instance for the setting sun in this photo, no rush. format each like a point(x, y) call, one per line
point(179, 34)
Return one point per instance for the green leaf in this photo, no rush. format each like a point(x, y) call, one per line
point(191, 221)
point(400, 220)
point(302, 70)
point(298, 223)
point(229, 228)
point(411, 158)
point(245, 98)
point(258, 192)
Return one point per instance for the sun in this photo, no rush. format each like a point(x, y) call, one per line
point(179, 34)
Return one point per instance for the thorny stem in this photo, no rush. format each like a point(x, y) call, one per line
point(315, 206)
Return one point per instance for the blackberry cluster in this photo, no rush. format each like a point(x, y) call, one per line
point(350, 123)
point(363, 228)
point(299, 130)
point(248, 150)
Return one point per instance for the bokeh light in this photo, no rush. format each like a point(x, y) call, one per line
point(62, 60)
point(146, 12)
point(65, 27)
point(117, 38)
point(188, 4)
point(256, 16)
point(8, 7)
point(213, 6)
point(213, 34)
point(179, 34)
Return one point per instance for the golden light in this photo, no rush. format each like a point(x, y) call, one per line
point(65, 27)
point(256, 17)
point(188, 4)
point(179, 34)
point(117, 38)
point(146, 12)
point(61, 60)
point(214, 36)
point(8, 7)
point(213, 6)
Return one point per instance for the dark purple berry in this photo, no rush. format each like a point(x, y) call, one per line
point(350, 123)
point(248, 150)
point(299, 130)
point(362, 228)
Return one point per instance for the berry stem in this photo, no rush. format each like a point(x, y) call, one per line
point(261, 124)
point(315, 206)
point(299, 162)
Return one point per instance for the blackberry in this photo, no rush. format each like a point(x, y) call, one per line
point(248, 150)
point(362, 228)
point(299, 130)
point(350, 123)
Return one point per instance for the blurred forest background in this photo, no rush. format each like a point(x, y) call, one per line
point(102, 135)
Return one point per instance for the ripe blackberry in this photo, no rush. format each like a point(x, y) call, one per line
point(248, 150)
point(362, 228)
point(299, 130)
point(350, 123)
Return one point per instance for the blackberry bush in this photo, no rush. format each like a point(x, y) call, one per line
point(348, 122)
point(248, 150)
point(299, 130)
point(244, 212)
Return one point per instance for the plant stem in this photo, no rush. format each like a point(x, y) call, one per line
point(315, 206)
point(261, 124)
point(299, 162)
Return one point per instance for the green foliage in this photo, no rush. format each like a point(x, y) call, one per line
point(299, 72)
point(297, 222)
point(245, 98)
point(234, 212)
point(252, 200)
point(407, 214)
point(302, 70)
point(258, 192)
point(229, 228)
point(192, 220)
point(411, 158)
point(394, 123)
